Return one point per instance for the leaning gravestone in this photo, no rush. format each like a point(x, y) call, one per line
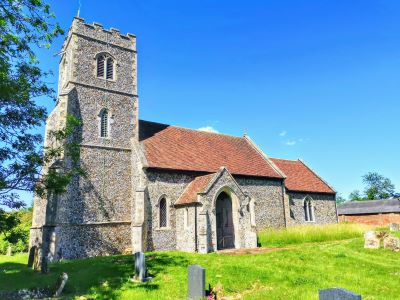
point(391, 242)
point(60, 284)
point(371, 241)
point(196, 282)
point(338, 294)
point(140, 268)
point(394, 227)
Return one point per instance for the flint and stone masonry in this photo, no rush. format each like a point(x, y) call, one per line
point(116, 207)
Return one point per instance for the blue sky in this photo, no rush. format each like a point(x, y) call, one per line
point(316, 80)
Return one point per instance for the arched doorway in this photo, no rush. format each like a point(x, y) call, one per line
point(225, 227)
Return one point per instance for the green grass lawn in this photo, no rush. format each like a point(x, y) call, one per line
point(296, 273)
point(272, 237)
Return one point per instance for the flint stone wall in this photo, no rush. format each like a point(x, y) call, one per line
point(324, 208)
point(168, 185)
point(91, 240)
point(269, 207)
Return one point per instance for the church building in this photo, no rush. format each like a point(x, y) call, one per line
point(152, 186)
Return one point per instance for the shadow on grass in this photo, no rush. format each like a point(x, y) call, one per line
point(16, 275)
point(100, 277)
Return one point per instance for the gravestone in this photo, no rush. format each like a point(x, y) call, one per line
point(9, 251)
point(338, 294)
point(60, 284)
point(371, 241)
point(31, 257)
point(196, 282)
point(140, 268)
point(394, 227)
point(391, 242)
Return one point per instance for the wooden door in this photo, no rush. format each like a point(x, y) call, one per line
point(225, 228)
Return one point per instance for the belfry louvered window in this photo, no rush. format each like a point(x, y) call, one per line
point(100, 66)
point(110, 68)
point(163, 213)
point(308, 211)
point(105, 67)
point(104, 123)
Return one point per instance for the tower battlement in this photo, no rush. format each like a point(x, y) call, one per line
point(97, 32)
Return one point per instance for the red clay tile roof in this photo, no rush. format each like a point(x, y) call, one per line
point(198, 185)
point(301, 178)
point(171, 147)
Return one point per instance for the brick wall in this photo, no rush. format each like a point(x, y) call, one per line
point(372, 219)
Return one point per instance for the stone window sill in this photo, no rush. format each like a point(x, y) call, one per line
point(163, 228)
point(108, 80)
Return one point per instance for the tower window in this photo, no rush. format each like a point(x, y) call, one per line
point(163, 213)
point(104, 123)
point(105, 66)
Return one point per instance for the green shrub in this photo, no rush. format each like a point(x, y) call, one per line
point(21, 230)
point(309, 234)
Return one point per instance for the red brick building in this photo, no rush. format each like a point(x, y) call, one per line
point(373, 212)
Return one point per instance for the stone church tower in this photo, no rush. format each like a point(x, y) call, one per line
point(97, 84)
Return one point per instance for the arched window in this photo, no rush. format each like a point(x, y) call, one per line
point(105, 66)
point(104, 123)
point(308, 210)
point(163, 213)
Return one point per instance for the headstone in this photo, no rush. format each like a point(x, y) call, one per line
point(394, 227)
point(9, 251)
point(370, 234)
point(196, 282)
point(31, 257)
point(391, 242)
point(140, 268)
point(338, 294)
point(60, 284)
point(371, 241)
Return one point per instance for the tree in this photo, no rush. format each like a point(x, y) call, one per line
point(355, 196)
point(15, 230)
point(377, 186)
point(340, 199)
point(24, 26)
